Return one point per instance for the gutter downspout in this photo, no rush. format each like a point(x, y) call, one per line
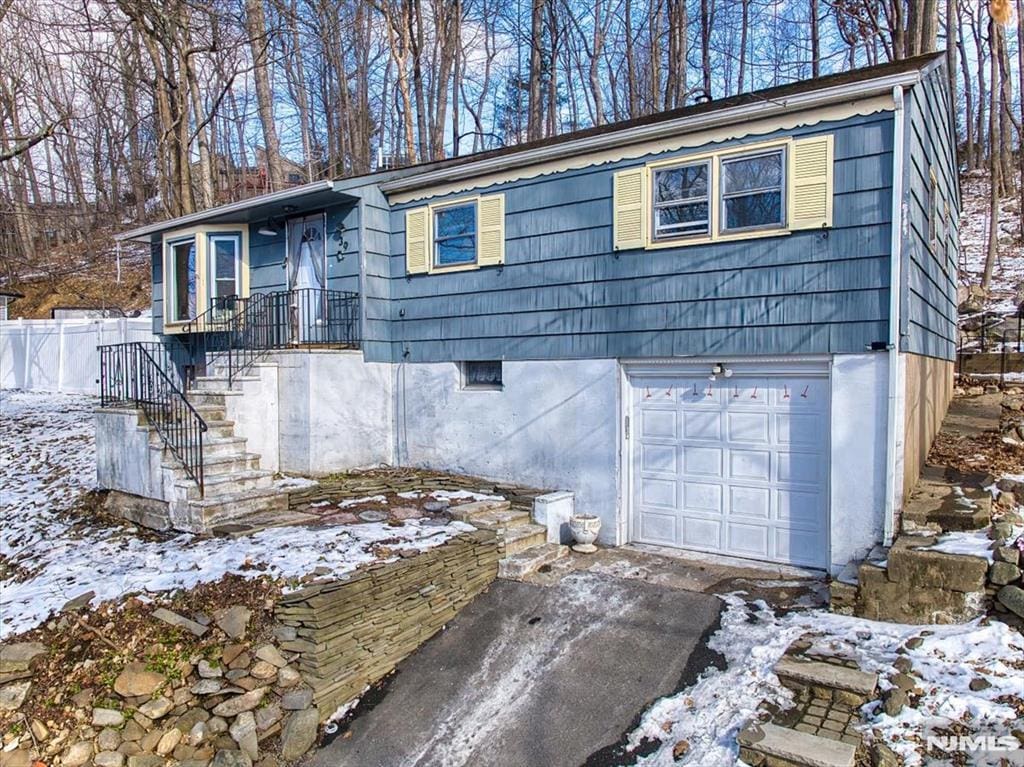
point(895, 288)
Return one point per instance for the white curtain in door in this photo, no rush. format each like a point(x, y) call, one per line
point(306, 270)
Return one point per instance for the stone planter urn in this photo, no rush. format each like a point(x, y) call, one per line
point(585, 528)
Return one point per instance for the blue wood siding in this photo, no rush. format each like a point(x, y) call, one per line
point(157, 266)
point(928, 295)
point(267, 254)
point(564, 293)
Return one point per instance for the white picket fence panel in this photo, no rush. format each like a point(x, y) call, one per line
point(61, 355)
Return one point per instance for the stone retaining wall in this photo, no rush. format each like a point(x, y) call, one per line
point(351, 633)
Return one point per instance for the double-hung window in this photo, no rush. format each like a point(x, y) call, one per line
point(681, 207)
point(225, 261)
point(454, 229)
point(181, 273)
point(752, 189)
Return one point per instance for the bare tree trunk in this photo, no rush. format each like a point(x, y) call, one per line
point(535, 107)
point(259, 42)
point(993, 164)
point(815, 41)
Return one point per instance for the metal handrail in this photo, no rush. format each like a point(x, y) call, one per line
point(281, 320)
point(130, 373)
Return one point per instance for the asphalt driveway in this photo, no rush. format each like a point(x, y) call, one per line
point(534, 676)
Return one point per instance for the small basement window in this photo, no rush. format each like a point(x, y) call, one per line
point(752, 192)
point(482, 375)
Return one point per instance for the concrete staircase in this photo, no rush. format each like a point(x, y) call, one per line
point(234, 484)
point(522, 544)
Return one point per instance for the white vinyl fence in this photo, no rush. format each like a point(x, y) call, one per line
point(61, 355)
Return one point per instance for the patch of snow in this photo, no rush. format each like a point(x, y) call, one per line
point(294, 483)
point(464, 495)
point(47, 458)
point(410, 495)
point(360, 501)
point(709, 714)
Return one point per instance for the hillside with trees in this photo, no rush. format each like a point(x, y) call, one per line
point(114, 113)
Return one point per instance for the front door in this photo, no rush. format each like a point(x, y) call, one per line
point(307, 270)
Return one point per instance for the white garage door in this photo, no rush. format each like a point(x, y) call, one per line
point(736, 466)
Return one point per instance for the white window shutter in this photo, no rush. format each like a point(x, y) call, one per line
point(629, 223)
point(811, 183)
point(417, 241)
point(491, 230)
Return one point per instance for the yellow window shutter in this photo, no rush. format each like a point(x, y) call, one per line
point(629, 223)
point(810, 185)
point(490, 226)
point(417, 241)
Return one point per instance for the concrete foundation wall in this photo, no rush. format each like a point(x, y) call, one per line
point(314, 413)
point(125, 460)
point(929, 389)
point(553, 426)
point(858, 418)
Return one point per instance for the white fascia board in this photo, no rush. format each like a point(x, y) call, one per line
point(715, 118)
point(143, 232)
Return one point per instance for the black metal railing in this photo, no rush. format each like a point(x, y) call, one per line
point(238, 332)
point(142, 375)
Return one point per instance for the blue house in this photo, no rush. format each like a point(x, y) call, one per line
point(728, 328)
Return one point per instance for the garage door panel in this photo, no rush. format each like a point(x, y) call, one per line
point(659, 459)
point(702, 425)
point(659, 528)
point(748, 427)
point(798, 429)
point(701, 533)
point(700, 393)
point(799, 508)
point(749, 540)
point(800, 467)
point(655, 423)
point(658, 492)
point(734, 466)
point(752, 502)
point(702, 496)
point(750, 464)
point(702, 460)
point(799, 547)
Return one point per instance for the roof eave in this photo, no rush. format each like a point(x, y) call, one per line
point(143, 233)
point(636, 135)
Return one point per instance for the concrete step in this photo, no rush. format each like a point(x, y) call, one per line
point(221, 446)
point(518, 566)
point(769, 744)
point(941, 504)
point(210, 412)
point(465, 512)
point(219, 382)
point(224, 509)
point(860, 685)
point(218, 398)
point(499, 520)
point(225, 485)
point(513, 540)
point(213, 465)
point(220, 429)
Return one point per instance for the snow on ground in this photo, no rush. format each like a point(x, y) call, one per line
point(974, 220)
point(47, 459)
point(710, 714)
